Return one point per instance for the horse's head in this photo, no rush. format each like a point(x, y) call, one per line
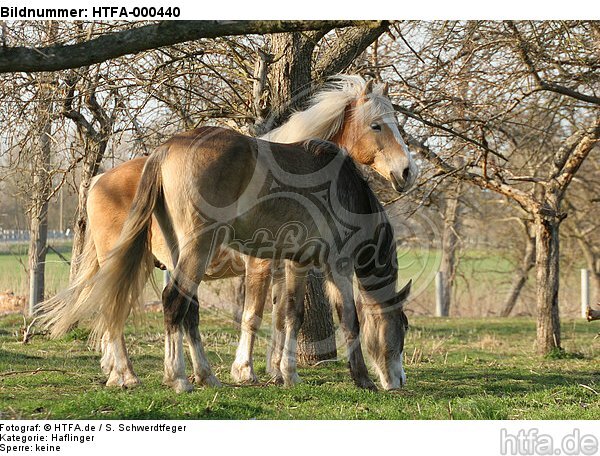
point(371, 135)
point(383, 331)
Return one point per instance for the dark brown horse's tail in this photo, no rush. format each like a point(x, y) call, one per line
point(64, 310)
point(117, 289)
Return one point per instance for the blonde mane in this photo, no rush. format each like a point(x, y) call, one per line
point(325, 115)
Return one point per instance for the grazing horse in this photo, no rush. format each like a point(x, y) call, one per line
point(350, 112)
point(211, 187)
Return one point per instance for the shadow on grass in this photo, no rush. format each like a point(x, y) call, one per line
point(15, 357)
point(224, 411)
point(457, 382)
point(458, 327)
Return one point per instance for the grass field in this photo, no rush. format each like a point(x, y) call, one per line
point(457, 369)
point(14, 278)
point(482, 283)
point(13, 275)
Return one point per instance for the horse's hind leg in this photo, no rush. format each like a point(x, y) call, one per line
point(115, 362)
point(258, 278)
point(203, 374)
point(178, 297)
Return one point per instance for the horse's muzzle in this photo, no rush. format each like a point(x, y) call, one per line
point(397, 182)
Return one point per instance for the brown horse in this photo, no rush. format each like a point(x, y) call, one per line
point(350, 112)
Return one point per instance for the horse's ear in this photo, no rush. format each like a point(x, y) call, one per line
point(368, 87)
point(403, 294)
point(386, 88)
point(405, 321)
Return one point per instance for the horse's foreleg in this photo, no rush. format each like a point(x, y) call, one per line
point(346, 310)
point(115, 362)
point(258, 278)
point(294, 315)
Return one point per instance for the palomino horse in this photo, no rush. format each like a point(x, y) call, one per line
point(211, 187)
point(350, 112)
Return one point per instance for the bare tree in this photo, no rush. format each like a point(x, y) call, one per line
point(41, 181)
point(450, 239)
point(524, 127)
point(522, 273)
point(94, 133)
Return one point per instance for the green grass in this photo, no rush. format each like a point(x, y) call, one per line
point(457, 368)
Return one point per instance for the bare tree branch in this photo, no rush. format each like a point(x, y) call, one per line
point(108, 46)
point(351, 43)
point(413, 115)
point(541, 83)
point(580, 153)
point(521, 197)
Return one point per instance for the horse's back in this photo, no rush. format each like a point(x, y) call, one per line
point(211, 166)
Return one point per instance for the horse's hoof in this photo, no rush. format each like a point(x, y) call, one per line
point(366, 383)
point(131, 381)
point(291, 380)
point(180, 385)
point(243, 373)
point(124, 380)
point(114, 382)
point(277, 378)
point(210, 381)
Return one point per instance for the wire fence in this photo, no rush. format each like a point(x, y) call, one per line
point(18, 236)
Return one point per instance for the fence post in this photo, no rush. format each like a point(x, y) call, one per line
point(585, 292)
point(439, 295)
point(166, 278)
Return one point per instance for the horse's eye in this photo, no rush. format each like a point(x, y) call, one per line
point(376, 126)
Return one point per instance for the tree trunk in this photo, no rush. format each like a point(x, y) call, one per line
point(521, 275)
point(451, 212)
point(95, 143)
point(79, 228)
point(290, 78)
point(94, 153)
point(38, 224)
point(547, 269)
point(290, 75)
point(41, 185)
point(449, 245)
point(260, 93)
point(316, 340)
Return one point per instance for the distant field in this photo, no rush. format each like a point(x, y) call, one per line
point(14, 278)
point(457, 369)
point(13, 274)
point(482, 282)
